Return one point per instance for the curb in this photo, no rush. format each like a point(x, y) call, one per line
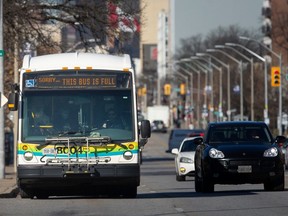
point(10, 193)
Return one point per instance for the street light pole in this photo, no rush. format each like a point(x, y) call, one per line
point(208, 68)
point(228, 80)
point(191, 79)
point(280, 87)
point(186, 84)
point(241, 77)
point(198, 86)
point(205, 84)
point(266, 116)
point(250, 60)
point(220, 83)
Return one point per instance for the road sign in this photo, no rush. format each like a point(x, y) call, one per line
point(4, 100)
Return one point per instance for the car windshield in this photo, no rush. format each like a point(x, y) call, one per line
point(239, 133)
point(188, 146)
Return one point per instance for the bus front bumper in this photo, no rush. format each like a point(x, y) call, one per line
point(94, 174)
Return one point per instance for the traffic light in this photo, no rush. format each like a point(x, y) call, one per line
point(275, 77)
point(139, 92)
point(144, 91)
point(167, 89)
point(182, 89)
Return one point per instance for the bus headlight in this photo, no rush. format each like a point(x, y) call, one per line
point(28, 156)
point(127, 155)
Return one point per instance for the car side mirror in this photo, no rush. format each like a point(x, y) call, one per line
point(175, 151)
point(198, 141)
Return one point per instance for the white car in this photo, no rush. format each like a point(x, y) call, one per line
point(184, 157)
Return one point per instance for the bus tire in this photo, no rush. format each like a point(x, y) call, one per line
point(24, 193)
point(130, 192)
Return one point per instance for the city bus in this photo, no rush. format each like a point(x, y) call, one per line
point(67, 143)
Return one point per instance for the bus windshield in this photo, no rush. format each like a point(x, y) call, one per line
point(68, 113)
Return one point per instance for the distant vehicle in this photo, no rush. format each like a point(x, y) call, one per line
point(184, 157)
point(284, 148)
point(159, 113)
point(140, 117)
point(177, 135)
point(158, 126)
point(239, 153)
point(197, 132)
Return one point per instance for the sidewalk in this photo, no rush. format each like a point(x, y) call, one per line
point(8, 186)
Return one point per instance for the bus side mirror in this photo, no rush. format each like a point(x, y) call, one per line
point(13, 101)
point(145, 129)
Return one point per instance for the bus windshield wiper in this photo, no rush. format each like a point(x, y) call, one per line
point(62, 133)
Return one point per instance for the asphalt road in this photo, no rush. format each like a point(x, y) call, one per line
point(160, 194)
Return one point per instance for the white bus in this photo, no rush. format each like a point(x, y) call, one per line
point(68, 143)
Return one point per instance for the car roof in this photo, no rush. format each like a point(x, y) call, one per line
point(237, 123)
point(191, 138)
point(186, 130)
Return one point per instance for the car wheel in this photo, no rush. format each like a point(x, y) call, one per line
point(130, 192)
point(197, 183)
point(277, 184)
point(42, 195)
point(207, 185)
point(180, 178)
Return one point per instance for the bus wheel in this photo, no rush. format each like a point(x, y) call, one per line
point(24, 193)
point(130, 192)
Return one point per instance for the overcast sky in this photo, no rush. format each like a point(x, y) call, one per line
point(194, 17)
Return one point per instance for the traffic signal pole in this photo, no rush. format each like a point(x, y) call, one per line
point(279, 56)
point(280, 98)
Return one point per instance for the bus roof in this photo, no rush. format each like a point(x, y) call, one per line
point(76, 60)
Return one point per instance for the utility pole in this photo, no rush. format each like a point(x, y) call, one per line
point(2, 143)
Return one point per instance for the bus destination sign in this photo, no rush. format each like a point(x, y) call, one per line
point(71, 81)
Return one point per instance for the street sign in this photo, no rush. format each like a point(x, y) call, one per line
point(4, 100)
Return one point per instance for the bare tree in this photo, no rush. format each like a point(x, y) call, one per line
point(279, 31)
point(195, 44)
point(36, 21)
point(38, 25)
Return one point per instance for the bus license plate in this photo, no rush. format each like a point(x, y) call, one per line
point(244, 169)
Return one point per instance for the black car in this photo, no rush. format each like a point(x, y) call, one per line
point(239, 153)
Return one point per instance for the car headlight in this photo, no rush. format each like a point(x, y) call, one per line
point(272, 152)
point(186, 160)
point(214, 153)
